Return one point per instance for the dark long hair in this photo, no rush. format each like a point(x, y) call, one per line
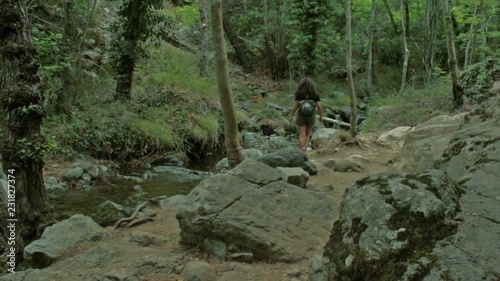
point(306, 89)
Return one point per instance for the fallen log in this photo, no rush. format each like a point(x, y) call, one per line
point(335, 121)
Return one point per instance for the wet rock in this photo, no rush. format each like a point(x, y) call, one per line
point(180, 174)
point(64, 235)
point(280, 221)
point(73, 174)
point(199, 271)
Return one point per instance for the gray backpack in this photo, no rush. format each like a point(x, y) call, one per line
point(307, 107)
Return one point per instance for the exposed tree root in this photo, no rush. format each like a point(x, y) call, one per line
point(134, 219)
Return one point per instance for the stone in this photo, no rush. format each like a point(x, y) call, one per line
point(110, 212)
point(251, 206)
point(289, 157)
point(296, 176)
point(64, 235)
point(198, 271)
point(322, 136)
point(86, 178)
point(394, 136)
point(145, 239)
point(73, 174)
point(251, 153)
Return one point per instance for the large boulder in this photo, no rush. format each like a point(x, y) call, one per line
point(289, 157)
point(424, 145)
point(63, 236)
point(472, 160)
point(394, 136)
point(387, 227)
point(109, 212)
point(322, 136)
point(250, 206)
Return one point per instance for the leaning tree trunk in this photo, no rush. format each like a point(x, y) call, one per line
point(471, 43)
point(350, 82)
point(406, 51)
point(203, 63)
point(231, 133)
point(369, 71)
point(239, 46)
point(393, 22)
point(458, 93)
point(23, 145)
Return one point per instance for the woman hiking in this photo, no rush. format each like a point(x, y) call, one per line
point(307, 100)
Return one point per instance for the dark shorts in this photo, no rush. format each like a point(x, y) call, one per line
point(307, 121)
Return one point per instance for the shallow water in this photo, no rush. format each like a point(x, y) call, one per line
point(119, 191)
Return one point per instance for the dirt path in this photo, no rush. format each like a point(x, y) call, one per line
point(375, 160)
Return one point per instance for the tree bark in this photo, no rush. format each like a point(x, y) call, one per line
point(406, 51)
point(203, 63)
point(470, 49)
point(394, 25)
point(430, 39)
point(231, 134)
point(126, 64)
point(452, 57)
point(369, 71)
point(350, 82)
point(26, 206)
point(238, 45)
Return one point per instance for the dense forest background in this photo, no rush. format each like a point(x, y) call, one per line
point(125, 79)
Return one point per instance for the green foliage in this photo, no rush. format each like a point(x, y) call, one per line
point(36, 150)
point(477, 78)
point(138, 197)
point(406, 109)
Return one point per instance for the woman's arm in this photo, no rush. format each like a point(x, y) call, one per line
point(295, 106)
point(320, 111)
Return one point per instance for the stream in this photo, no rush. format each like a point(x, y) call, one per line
point(76, 201)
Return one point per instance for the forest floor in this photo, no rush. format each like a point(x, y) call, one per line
point(377, 159)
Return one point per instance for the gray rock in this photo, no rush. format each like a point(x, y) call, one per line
point(344, 165)
point(180, 174)
point(132, 178)
point(199, 271)
point(281, 221)
point(384, 216)
point(110, 212)
point(215, 247)
point(73, 174)
point(424, 145)
point(322, 136)
point(51, 180)
point(94, 172)
point(64, 235)
point(172, 202)
point(57, 188)
point(251, 153)
point(289, 157)
point(86, 178)
point(296, 176)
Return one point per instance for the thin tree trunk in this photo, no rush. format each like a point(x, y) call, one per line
point(452, 57)
point(203, 63)
point(484, 31)
point(231, 133)
point(369, 71)
point(471, 44)
point(26, 209)
point(430, 39)
point(394, 25)
point(350, 81)
point(406, 52)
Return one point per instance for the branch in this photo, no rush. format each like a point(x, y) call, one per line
point(335, 121)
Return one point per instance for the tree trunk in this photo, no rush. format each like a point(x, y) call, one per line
point(471, 44)
point(350, 82)
point(452, 57)
point(394, 25)
point(484, 31)
point(406, 51)
point(430, 39)
point(231, 133)
point(126, 64)
point(27, 212)
point(239, 46)
point(203, 63)
point(369, 71)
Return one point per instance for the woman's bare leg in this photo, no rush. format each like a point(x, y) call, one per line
point(302, 137)
point(307, 136)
